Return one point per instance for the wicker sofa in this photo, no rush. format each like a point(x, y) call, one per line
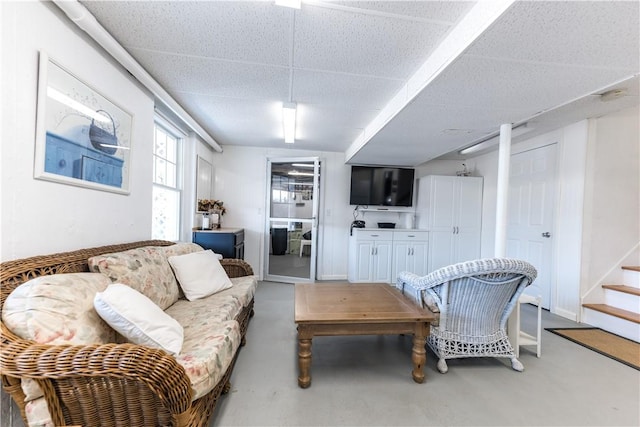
point(118, 383)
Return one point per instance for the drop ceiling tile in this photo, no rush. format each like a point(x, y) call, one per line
point(245, 31)
point(343, 90)
point(449, 11)
point(216, 77)
point(236, 121)
point(591, 33)
point(348, 42)
point(490, 83)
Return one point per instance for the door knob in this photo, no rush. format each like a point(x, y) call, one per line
point(546, 234)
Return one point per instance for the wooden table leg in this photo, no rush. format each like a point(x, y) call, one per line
point(419, 354)
point(304, 358)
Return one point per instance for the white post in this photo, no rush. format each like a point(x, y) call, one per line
point(502, 196)
point(502, 202)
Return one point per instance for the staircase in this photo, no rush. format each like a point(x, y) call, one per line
point(620, 312)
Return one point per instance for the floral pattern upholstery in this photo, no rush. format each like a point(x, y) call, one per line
point(57, 309)
point(181, 248)
point(243, 289)
point(37, 413)
point(208, 349)
point(144, 269)
point(213, 309)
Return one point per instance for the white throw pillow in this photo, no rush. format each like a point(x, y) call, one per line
point(200, 274)
point(138, 319)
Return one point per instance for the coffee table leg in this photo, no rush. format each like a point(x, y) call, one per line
point(419, 354)
point(304, 357)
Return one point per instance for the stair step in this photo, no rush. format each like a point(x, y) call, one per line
point(631, 267)
point(614, 311)
point(622, 288)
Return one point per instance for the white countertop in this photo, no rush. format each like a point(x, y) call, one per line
point(218, 230)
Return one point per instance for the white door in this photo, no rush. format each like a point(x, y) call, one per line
point(530, 213)
point(291, 227)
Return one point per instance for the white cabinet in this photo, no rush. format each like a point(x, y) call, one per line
point(377, 255)
point(410, 252)
point(450, 208)
point(370, 255)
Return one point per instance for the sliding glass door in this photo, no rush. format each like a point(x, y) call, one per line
point(290, 251)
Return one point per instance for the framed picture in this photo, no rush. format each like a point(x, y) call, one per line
point(82, 137)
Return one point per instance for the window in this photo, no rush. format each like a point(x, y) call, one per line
point(166, 184)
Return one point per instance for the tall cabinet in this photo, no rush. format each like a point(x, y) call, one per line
point(450, 208)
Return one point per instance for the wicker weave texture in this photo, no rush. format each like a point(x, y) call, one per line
point(475, 299)
point(109, 384)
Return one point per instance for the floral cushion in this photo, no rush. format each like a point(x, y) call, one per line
point(208, 349)
point(213, 309)
point(37, 413)
point(144, 269)
point(181, 248)
point(243, 289)
point(57, 309)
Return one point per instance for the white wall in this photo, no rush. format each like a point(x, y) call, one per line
point(612, 208)
point(241, 182)
point(40, 217)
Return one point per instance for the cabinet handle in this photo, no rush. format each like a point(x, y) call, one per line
point(411, 235)
point(375, 235)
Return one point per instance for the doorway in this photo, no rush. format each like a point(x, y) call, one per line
point(291, 226)
point(532, 190)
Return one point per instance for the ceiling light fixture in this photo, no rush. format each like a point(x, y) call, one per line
point(296, 173)
point(495, 138)
point(289, 121)
point(294, 4)
point(303, 165)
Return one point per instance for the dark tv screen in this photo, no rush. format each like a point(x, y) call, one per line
point(381, 186)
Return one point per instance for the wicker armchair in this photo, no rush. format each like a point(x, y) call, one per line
point(105, 384)
point(475, 299)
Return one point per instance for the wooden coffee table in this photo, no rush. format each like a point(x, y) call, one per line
point(328, 309)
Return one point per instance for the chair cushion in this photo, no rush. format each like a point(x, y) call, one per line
point(214, 308)
point(199, 274)
point(58, 309)
point(243, 289)
point(37, 413)
point(144, 269)
point(181, 248)
point(138, 318)
point(208, 350)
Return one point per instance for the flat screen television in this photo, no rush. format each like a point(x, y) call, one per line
point(381, 186)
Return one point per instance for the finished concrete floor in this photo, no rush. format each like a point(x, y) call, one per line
point(366, 381)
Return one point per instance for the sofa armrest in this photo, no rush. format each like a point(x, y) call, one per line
point(118, 373)
point(236, 267)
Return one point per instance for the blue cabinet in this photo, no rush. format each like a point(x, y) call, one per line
point(68, 158)
point(229, 243)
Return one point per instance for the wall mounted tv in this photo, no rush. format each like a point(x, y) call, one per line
point(381, 186)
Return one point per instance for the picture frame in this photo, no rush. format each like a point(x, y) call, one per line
point(82, 137)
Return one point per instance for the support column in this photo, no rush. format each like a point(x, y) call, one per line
point(502, 196)
point(502, 202)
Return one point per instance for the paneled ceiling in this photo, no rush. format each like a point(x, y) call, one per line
point(386, 82)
